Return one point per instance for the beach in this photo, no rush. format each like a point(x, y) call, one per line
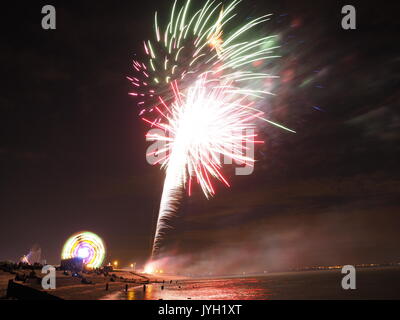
point(372, 283)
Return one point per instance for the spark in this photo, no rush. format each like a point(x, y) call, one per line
point(202, 42)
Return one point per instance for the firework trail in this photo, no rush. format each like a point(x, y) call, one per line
point(205, 124)
point(201, 87)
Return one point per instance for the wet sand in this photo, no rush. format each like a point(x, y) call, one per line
point(372, 284)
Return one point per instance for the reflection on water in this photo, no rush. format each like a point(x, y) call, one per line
point(378, 283)
point(131, 295)
point(149, 292)
point(220, 289)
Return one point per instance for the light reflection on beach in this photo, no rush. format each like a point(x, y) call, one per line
point(131, 295)
point(221, 289)
point(378, 283)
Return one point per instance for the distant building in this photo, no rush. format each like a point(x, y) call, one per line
point(108, 269)
point(73, 264)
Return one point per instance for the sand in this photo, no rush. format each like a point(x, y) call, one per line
point(71, 288)
point(4, 278)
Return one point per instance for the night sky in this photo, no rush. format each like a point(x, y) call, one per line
point(72, 147)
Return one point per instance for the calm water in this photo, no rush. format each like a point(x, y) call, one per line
point(373, 283)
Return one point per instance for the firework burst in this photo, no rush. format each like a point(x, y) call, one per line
point(200, 86)
point(192, 44)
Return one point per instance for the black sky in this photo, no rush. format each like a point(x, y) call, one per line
point(72, 148)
